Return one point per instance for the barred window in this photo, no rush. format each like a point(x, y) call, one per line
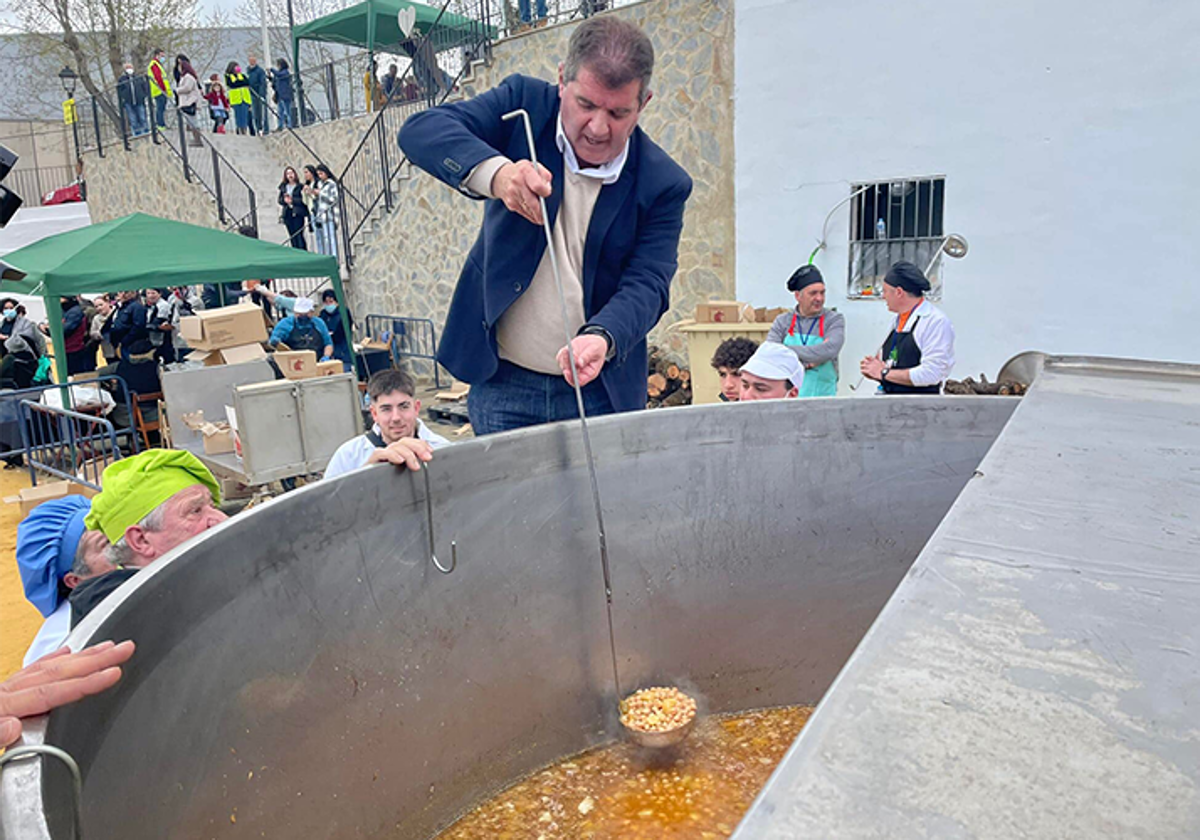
point(893, 220)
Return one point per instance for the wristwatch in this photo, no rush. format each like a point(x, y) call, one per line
point(594, 329)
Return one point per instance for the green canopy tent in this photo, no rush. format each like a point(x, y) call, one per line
point(375, 23)
point(139, 252)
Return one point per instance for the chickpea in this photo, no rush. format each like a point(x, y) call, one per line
point(657, 709)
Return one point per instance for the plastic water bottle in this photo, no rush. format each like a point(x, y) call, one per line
point(880, 230)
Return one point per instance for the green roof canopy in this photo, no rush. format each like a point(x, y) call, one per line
point(140, 251)
point(374, 24)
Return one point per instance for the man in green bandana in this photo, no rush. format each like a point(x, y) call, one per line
point(151, 503)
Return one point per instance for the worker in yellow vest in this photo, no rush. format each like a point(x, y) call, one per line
point(238, 88)
point(160, 86)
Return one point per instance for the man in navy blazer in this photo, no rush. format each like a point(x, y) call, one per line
point(615, 202)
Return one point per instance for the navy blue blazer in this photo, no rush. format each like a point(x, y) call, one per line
point(632, 247)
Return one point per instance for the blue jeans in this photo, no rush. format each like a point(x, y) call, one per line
point(285, 114)
point(241, 115)
point(523, 8)
point(160, 110)
point(326, 236)
point(137, 119)
point(515, 397)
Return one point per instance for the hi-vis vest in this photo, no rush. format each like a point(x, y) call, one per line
point(237, 95)
point(155, 90)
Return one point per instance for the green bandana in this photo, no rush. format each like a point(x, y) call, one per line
point(134, 487)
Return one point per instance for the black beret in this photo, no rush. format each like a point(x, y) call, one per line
point(803, 276)
point(908, 277)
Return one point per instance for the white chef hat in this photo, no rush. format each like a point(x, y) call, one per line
point(774, 361)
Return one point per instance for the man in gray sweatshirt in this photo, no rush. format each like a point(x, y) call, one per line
point(815, 334)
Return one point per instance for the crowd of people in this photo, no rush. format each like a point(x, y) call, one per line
point(247, 94)
point(310, 207)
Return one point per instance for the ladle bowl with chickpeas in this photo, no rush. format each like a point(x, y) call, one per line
point(658, 717)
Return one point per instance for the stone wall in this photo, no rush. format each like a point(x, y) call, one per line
point(411, 261)
point(146, 179)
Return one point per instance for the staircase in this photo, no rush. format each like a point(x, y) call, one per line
point(262, 172)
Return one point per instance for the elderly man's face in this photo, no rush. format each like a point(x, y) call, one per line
point(186, 514)
point(757, 388)
point(597, 120)
point(811, 299)
point(396, 415)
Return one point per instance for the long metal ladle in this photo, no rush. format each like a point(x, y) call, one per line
point(587, 441)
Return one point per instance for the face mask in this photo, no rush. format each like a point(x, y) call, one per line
point(10, 314)
point(331, 308)
point(129, 71)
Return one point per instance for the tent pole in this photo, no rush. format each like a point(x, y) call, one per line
point(54, 316)
point(343, 309)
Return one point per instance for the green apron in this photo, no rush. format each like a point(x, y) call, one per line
point(821, 381)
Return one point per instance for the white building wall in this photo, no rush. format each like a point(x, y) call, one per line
point(1069, 135)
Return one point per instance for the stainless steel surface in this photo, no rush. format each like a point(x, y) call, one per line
point(207, 389)
point(28, 751)
point(606, 568)
point(660, 740)
point(304, 669)
point(1023, 367)
point(289, 428)
point(1037, 672)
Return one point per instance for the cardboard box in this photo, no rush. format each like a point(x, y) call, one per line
point(723, 312)
point(765, 315)
point(83, 377)
point(375, 344)
point(297, 364)
point(330, 368)
point(229, 355)
point(218, 439)
point(227, 326)
point(31, 497)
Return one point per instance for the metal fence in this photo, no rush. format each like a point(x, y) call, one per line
point(407, 338)
point(103, 125)
point(76, 398)
point(67, 444)
point(33, 183)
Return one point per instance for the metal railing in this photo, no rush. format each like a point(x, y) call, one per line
point(75, 395)
point(104, 124)
point(437, 62)
point(32, 184)
point(67, 444)
point(407, 338)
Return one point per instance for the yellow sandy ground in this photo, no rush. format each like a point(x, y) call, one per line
point(19, 621)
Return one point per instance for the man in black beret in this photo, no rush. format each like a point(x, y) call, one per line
point(918, 355)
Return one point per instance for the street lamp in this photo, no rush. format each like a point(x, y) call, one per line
point(69, 77)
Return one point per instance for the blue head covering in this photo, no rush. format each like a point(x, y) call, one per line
point(46, 544)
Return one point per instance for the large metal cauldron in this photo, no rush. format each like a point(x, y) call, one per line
point(304, 671)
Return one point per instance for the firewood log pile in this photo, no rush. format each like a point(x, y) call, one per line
point(969, 387)
point(667, 384)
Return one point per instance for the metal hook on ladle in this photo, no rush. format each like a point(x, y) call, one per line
point(429, 523)
point(587, 441)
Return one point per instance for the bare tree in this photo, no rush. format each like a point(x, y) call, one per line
point(95, 38)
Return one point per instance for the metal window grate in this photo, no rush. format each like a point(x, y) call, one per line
point(893, 220)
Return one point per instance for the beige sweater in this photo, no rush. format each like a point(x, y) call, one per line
point(530, 332)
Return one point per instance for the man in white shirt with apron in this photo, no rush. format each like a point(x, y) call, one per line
point(918, 354)
point(397, 437)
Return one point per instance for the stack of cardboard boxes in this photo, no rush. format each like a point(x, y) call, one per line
point(234, 334)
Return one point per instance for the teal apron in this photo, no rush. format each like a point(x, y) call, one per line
point(821, 381)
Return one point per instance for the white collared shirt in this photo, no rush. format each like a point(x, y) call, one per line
point(52, 635)
point(354, 453)
point(608, 173)
point(934, 334)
